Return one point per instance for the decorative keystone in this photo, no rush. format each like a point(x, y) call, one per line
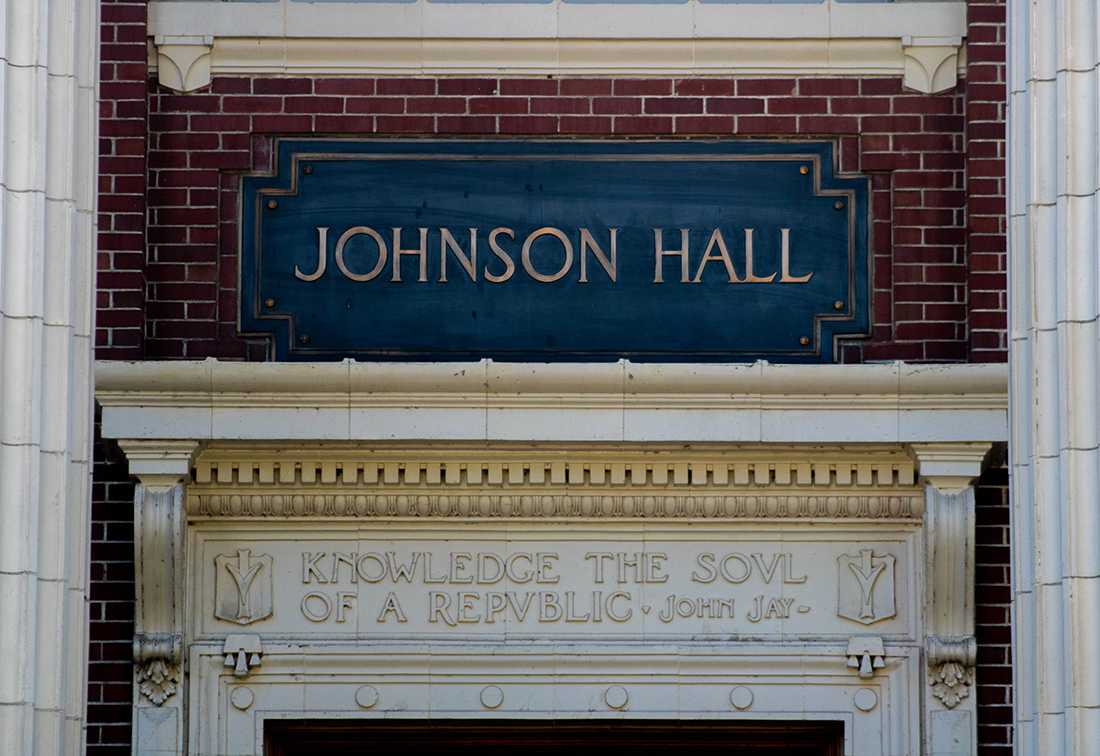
point(242, 653)
point(931, 63)
point(866, 654)
point(183, 62)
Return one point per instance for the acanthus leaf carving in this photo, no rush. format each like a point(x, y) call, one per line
point(951, 668)
point(158, 657)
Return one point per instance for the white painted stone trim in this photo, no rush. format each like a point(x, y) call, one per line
point(613, 402)
point(811, 681)
point(692, 38)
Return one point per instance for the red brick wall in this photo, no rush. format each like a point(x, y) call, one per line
point(111, 603)
point(123, 83)
point(985, 177)
point(993, 611)
point(913, 146)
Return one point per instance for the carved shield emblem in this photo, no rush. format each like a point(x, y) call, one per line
point(243, 587)
point(865, 587)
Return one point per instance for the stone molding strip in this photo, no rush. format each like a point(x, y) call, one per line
point(518, 470)
point(920, 41)
point(561, 402)
point(907, 507)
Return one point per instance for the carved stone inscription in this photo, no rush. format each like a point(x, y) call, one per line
point(568, 588)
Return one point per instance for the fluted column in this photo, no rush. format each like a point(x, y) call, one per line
point(1054, 278)
point(48, 119)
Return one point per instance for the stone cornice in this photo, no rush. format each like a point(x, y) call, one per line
point(920, 41)
point(608, 402)
point(449, 481)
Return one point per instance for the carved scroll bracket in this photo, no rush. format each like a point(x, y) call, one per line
point(161, 467)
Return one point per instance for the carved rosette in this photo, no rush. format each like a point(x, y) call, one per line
point(951, 668)
point(158, 657)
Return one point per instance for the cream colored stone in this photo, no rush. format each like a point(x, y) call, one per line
point(931, 63)
point(183, 62)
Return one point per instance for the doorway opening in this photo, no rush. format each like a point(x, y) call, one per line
point(550, 737)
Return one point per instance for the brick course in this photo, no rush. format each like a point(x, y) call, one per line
point(914, 147)
point(993, 609)
point(985, 174)
point(111, 603)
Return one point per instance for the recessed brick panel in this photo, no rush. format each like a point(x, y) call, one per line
point(932, 196)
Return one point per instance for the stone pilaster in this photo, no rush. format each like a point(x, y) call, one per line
point(1054, 448)
point(950, 648)
point(48, 118)
point(162, 468)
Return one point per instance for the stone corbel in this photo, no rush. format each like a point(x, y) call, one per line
point(160, 467)
point(183, 62)
point(931, 63)
point(951, 667)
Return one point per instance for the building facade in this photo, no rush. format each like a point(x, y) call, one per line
point(289, 546)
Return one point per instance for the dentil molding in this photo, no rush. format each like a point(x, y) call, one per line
point(750, 482)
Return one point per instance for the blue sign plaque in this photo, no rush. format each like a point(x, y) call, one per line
point(715, 251)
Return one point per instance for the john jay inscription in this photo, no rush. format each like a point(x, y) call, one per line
point(563, 251)
point(390, 588)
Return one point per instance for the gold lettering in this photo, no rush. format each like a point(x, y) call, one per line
point(382, 253)
point(509, 266)
point(750, 277)
point(566, 245)
point(659, 253)
point(448, 242)
point(717, 240)
point(421, 251)
point(609, 265)
point(786, 277)
point(322, 257)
